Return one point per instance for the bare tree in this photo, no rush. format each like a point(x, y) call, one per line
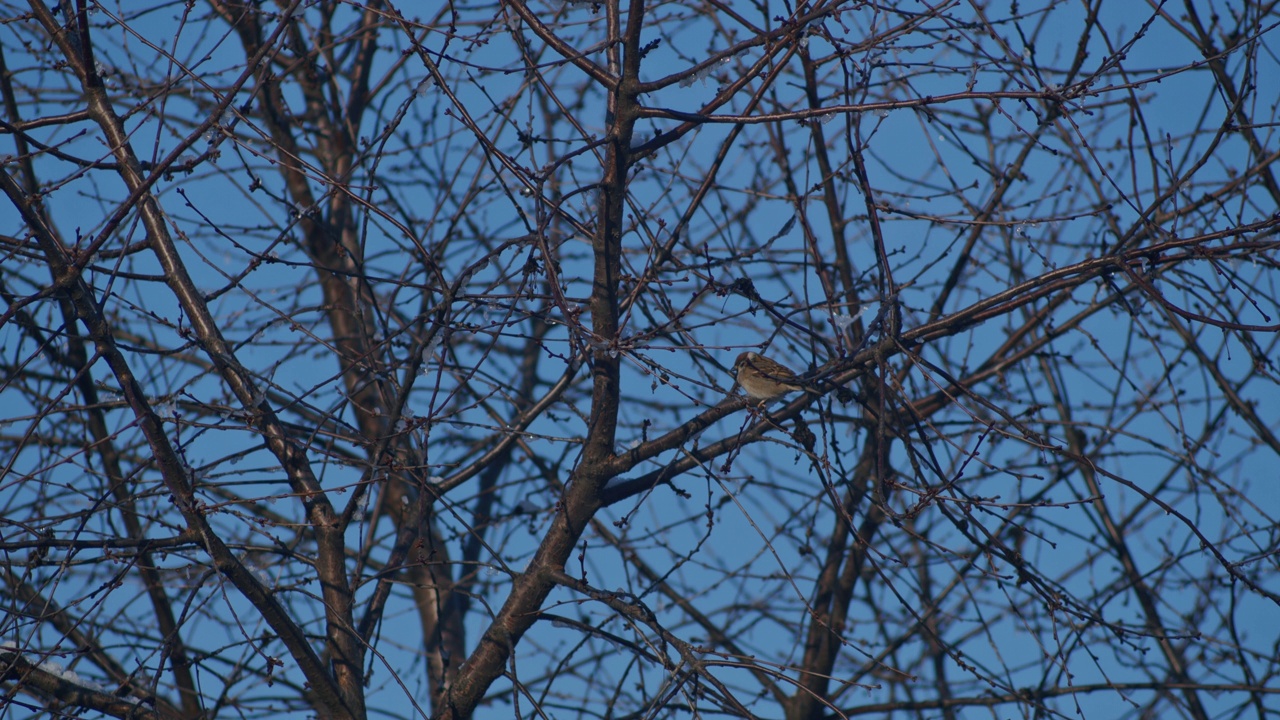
point(376, 359)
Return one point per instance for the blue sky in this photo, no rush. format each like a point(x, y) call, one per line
point(771, 508)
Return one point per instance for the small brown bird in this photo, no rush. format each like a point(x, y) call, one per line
point(764, 379)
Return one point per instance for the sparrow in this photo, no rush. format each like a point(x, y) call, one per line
point(764, 379)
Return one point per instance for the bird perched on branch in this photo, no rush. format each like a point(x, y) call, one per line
point(764, 378)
